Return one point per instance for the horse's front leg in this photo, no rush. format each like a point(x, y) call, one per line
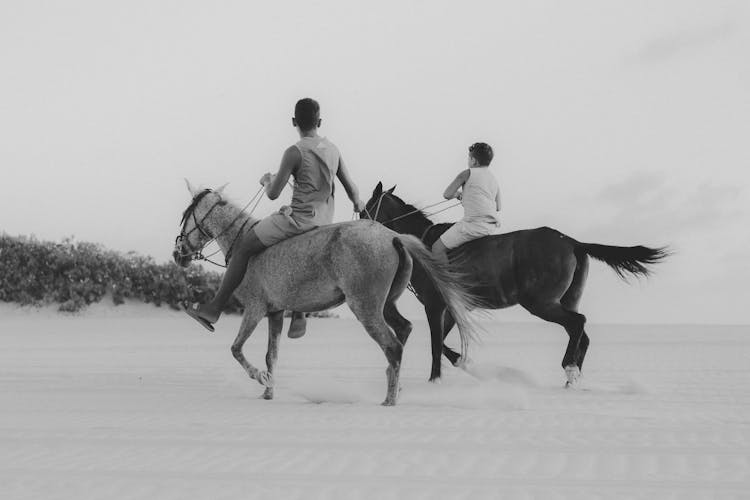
point(454, 357)
point(434, 311)
point(275, 325)
point(249, 321)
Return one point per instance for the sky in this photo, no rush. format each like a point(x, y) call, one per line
point(618, 122)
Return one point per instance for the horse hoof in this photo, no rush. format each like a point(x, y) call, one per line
point(463, 363)
point(573, 374)
point(265, 378)
point(436, 380)
point(388, 402)
point(268, 394)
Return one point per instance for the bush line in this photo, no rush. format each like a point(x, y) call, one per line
point(75, 274)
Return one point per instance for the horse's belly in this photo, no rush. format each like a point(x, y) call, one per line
point(306, 296)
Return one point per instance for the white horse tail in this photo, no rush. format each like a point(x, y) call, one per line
point(452, 287)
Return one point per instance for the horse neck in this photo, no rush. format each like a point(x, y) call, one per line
point(225, 222)
point(415, 224)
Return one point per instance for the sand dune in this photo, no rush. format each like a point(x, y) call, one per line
point(136, 403)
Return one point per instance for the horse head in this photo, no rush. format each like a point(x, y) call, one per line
point(195, 231)
point(382, 205)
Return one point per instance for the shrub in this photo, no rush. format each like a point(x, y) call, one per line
point(76, 274)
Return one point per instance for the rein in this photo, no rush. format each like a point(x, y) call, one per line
point(424, 234)
point(415, 211)
point(190, 211)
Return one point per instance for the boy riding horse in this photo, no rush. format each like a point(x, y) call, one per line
point(312, 162)
point(478, 190)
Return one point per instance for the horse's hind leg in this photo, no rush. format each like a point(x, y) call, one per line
point(583, 346)
point(573, 323)
point(572, 297)
point(275, 325)
point(249, 321)
point(400, 325)
point(372, 319)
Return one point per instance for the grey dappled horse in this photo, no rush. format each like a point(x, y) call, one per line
point(361, 263)
point(541, 269)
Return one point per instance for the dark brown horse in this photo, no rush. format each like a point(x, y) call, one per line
point(541, 269)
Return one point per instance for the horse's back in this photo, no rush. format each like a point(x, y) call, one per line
point(499, 265)
point(515, 241)
point(359, 234)
point(325, 261)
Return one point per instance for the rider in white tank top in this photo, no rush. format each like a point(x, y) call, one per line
point(479, 196)
point(478, 190)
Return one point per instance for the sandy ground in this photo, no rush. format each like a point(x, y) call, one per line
point(141, 403)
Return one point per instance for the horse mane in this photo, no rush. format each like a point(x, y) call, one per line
point(241, 214)
point(411, 208)
point(435, 229)
point(434, 232)
point(196, 199)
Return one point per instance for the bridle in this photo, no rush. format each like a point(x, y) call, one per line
point(377, 209)
point(183, 239)
point(197, 254)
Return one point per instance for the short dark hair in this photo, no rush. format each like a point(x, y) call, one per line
point(482, 152)
point(307, 113)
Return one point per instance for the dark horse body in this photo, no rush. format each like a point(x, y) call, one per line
point(540, 269)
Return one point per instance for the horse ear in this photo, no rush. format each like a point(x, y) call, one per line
point(190, 187)
point(378, 189)
point(221, 189)
point(390, 191)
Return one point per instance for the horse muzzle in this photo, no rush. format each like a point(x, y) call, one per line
point(181, 257)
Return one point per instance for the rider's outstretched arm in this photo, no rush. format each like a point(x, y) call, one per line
point(351, 189)
point(289, 162)
point(452, 190)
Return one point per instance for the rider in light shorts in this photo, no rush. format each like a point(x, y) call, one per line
point(313, 163)
point(478, 190)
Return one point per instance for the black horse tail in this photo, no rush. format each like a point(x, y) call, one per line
point(633, 260)
point(451, 285)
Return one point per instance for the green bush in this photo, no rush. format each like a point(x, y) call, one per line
point(76, 274)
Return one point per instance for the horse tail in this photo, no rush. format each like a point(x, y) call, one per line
point(403, 271)
point(451, 286)
point(633, 260)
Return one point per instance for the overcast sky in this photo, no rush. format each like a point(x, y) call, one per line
point(619, 122)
